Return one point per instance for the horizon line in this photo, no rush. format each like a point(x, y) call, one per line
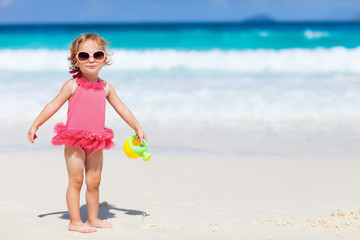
point(174, 22)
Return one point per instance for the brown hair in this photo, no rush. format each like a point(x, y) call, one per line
point(74, 48)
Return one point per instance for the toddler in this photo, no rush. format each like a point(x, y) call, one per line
point(84, 134)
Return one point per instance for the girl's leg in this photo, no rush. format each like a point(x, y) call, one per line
point(93, 168)
point(75, 161)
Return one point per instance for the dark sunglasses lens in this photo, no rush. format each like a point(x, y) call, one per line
point(83, 56)
point(99, 55)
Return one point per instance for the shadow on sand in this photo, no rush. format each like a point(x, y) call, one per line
point(104, 212)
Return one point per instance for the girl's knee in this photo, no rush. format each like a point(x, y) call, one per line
point(76, 181)
point(93, 182)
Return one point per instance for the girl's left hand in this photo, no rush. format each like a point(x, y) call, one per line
point(140, 135)
point(32, 134)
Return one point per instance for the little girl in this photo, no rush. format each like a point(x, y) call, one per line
point(85, 135)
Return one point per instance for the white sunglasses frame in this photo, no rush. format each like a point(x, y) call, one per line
point(91, 56)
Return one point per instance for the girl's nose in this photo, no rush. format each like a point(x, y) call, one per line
point(91, 59)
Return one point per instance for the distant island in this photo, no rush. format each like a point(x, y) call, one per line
point(356, 18)
point(259, 18)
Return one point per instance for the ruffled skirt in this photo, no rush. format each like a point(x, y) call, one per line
point(89, 140)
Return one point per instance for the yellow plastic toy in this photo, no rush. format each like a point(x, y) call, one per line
point(133, 148)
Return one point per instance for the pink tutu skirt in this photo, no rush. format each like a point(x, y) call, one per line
point(89, 140)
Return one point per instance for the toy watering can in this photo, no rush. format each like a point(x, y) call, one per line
point(133, 148)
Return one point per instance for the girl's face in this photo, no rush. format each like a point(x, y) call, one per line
point(92, 65)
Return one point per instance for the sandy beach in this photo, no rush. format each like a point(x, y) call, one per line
point(308, 189)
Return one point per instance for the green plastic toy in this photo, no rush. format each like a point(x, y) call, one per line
point(133, 148)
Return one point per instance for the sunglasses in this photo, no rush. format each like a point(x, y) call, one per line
point(98, 56)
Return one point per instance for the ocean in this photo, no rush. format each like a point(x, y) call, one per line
point(183, 74)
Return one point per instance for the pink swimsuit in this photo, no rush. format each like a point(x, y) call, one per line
point(85, 125)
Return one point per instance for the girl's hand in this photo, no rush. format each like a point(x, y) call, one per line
point(140, 135)
point(32, 134)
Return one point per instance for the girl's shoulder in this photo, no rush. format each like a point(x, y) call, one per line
point(70, 82)
point(71, 85)
point(106, 84)
point(107, 87)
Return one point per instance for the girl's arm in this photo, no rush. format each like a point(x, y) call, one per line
point(124, 112)
point(50, 109)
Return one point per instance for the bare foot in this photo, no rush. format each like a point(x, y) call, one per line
point(81, 227)
point(99, 224)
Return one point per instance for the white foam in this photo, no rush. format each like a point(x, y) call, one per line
point(33, 60)
point(192, 91)
point(307, 61)
point(315, 34)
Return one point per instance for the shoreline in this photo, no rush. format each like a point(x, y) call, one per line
point(320, 140)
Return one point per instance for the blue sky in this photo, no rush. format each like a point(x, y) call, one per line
point(83, 11)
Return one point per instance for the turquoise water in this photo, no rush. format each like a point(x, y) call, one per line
point(223, 36)
point(194, 74)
